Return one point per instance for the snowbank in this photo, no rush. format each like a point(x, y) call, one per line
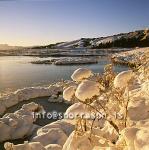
point(68, 61)
point(18, 124)
point(80, 74)
point(132, 57)
point(87, 90)
point(130, 132)
point(31, 92)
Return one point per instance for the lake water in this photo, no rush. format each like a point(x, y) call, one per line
point(16, 72)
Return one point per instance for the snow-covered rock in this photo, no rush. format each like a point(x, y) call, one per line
point(10, 100)
point(135, 138)
point(69, 93)
point(25, 146)
point(145, 87)
point(87, 89)
point(75, 60)
point(53, 136)
point(66, 127)
point(75, 142)
point(84, 142)
point(53, 147)
point(55, 89)
point(32, 92)
point(123, 78)
point(108, 132)
point(81, 73)
point(77, 110)
point(138, 110)
point(29, 93)
point(2, 107)
point(19, 124)
point(100, 134)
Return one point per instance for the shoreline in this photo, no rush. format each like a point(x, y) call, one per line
point(130, 58)
point(85, 85)
point(69, 61)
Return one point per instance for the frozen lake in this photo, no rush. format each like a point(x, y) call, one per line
point(16, 72)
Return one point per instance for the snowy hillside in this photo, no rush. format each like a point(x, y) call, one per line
point(132, 38)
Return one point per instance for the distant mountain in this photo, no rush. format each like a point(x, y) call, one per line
point(7, 47)
point(139, 38)
point(132, 39)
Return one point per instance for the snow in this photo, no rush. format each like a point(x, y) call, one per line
point(69, 93)
point(29, 93)
point(80, 74)
point(136, 138)
point(69, 44)
point(87, 89)
point(75, 142)
point(61, 124)
point(25, 146)
point(77, 110)
point(62, 134)
point(18, 124)
point(132, 57)
point(53, 147)
point(122, 79)
point(68, 60)
point(53, 136)
point(76, 60)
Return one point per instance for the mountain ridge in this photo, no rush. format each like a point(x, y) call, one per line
point(138, 38)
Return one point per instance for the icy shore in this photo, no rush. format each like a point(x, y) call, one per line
point(131, 58)
point(69, 61)
point(124, 95)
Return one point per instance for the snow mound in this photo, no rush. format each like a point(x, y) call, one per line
point(123, 78)
point(87, 89)
point(81, 74)
point(69, 92)
point(19, 124)
point(25, 146)
point(53, 136)
point(135, 138)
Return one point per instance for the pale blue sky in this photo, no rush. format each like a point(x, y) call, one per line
point(39, 22)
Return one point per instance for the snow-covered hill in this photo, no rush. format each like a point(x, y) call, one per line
point(139, 38)
point(76, 43)
point(94, 42)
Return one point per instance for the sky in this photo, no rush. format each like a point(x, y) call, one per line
point(41, 22)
